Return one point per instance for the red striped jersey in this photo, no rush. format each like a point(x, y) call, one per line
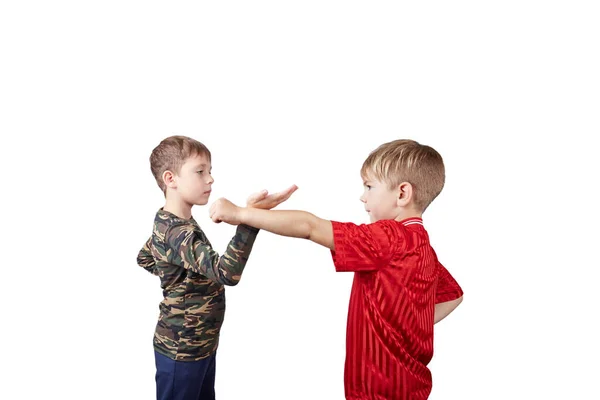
point(397, 282)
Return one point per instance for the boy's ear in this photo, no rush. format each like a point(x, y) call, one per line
point(169, 179)
point(405, 194)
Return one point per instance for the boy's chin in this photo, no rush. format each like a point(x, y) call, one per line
point(202, 202)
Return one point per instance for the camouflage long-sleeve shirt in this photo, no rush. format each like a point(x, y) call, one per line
point(192, 277)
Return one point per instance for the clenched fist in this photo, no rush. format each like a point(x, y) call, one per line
point(223, 210)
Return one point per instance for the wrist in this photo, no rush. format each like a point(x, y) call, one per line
point(242, 213)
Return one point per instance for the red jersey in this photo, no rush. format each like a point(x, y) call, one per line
point(397, 282)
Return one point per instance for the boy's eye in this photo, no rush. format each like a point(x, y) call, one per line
point(200, 172)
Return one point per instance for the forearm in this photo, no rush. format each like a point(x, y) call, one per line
point(298, 224)
point(232, 263)
point(286, 223)
point(190, 249)
point(442, 310)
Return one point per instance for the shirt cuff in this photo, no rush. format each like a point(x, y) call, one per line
point(247, 229)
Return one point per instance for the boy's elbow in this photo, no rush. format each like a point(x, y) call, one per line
point(230, 280)
point(311, 228)
point(145, 261)
point(228, 271)
point(305, 230)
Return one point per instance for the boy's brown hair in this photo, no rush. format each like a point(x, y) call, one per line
point(407, 161)
point(171, 154)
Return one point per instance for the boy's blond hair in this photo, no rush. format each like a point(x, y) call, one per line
point(407, 161)
point(171, 154)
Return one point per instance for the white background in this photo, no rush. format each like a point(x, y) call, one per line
point(298, 92)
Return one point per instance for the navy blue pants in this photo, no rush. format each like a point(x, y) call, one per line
point(185, 380)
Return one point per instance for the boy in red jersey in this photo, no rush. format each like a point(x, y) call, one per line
point(400, 289)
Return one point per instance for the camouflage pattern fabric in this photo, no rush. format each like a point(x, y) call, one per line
point(192, 276)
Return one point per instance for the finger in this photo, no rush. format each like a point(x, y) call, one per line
point(256, 197)
point(286, 194)
point(271, 199)
point(289, 191)
point(252, 198)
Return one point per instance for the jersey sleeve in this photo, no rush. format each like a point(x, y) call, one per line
point(447, 288)
point(366, 247)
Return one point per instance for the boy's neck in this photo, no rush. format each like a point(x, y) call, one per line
point(408, 213)
point(178, 207)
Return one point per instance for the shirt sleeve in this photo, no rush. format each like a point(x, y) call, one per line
point(145, 258)
point(447, 287)
point(366, 247)
point(187, 249)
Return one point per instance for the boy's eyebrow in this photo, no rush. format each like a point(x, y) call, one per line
point(203, 165)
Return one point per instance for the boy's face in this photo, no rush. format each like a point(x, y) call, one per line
point(380, 202)
point(194, 180)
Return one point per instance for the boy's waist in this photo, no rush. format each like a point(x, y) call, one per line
point(191, 316)
point(185, 349)
point(177, 303)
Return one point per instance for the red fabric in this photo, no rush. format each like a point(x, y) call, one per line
point(397, 281)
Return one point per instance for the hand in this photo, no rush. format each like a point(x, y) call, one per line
point(223, 210)
point(267, 201)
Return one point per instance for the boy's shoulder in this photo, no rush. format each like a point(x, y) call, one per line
point(350, 227)
point(385, 231)
point(169, 228)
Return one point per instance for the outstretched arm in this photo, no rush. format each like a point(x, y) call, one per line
point(299, 224)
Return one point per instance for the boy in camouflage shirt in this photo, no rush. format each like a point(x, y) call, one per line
point(193, 276)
